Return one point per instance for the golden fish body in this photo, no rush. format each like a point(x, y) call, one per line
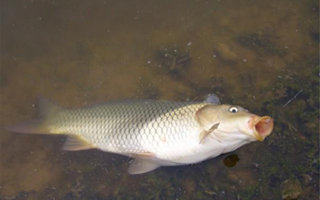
point(155, 133)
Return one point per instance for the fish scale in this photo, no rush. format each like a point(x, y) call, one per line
point(130, 127)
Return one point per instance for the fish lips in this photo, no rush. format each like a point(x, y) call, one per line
point(262, 126)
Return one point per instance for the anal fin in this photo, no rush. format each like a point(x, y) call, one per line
point(140, 166)
point(76, 143)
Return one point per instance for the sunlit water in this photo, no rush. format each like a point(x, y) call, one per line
point(262, 55)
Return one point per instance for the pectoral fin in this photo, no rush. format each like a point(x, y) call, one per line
point(76, 143)
point(205, 133)
point(140, 166)
point(143, 155)
point(212, 98)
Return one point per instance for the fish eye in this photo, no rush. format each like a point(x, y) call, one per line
point(233, 109)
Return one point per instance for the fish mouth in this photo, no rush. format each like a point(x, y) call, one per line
point(262, 127)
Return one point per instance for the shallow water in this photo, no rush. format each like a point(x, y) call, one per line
point(262, 55)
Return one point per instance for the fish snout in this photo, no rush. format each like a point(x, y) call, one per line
point(261, 126)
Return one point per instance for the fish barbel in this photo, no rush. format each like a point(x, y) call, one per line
point(153, 132)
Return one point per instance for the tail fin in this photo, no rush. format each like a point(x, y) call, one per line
point(41, 125)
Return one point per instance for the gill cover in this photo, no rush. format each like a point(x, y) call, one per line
point(207, 120)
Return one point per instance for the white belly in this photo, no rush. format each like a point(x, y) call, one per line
point(194, 152)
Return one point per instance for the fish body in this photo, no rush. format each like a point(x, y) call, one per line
point(138, 127)
point(155, 133)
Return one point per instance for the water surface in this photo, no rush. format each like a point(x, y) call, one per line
point(262, 55)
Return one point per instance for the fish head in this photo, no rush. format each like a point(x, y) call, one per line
point(235, 122)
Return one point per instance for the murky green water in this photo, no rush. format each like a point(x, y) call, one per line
point(262, 55)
